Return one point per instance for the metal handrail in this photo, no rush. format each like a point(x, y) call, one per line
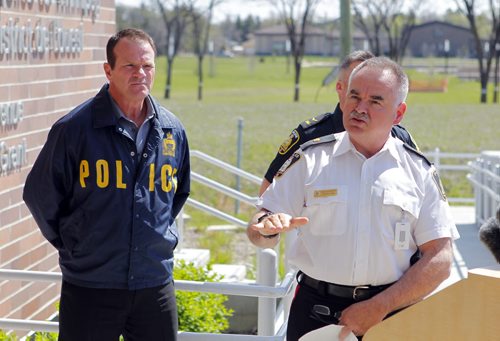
point(485, 178)
point(226, 166)
point(217, 213)
point(223, 189)
point(241, 289)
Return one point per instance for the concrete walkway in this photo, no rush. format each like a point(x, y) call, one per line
point(469, 251)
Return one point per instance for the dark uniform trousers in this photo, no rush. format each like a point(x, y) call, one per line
point(87, 314)
point(314, 307)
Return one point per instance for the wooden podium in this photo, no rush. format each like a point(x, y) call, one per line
point(468, 310)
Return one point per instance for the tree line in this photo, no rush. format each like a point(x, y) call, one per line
point(187, 26)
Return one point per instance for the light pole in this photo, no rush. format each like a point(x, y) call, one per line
point(345, 28)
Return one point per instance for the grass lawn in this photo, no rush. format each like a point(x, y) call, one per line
point(260, 92)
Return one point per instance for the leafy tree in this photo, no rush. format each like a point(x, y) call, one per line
point(198, 311)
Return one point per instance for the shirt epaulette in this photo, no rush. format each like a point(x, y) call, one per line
point(318, 140)
point(315, 120)
point(416, 152)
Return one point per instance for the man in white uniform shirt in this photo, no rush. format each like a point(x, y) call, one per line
point(361, 203)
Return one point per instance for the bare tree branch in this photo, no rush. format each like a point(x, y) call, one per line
point(484, 58)
point(202, 21)
point(297, 16)
point(175, 19)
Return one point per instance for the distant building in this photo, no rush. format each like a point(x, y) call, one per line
point(319, 42)
point(428, 40)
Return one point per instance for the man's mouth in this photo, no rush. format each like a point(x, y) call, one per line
point(358, 116)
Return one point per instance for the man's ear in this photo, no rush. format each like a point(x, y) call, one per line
point(400, 112)
point(107, 70)
point(338, 86)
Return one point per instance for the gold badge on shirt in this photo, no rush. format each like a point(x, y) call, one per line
point(325, 193)
point(169, 145)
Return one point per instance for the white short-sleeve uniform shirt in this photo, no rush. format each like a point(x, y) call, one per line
point(353, 205)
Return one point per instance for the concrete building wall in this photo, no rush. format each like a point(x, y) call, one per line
point(51, 56)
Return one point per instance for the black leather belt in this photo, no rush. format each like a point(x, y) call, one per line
point(357, 293)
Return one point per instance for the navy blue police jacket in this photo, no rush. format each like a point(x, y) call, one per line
point(321, 125)
point(108, 210)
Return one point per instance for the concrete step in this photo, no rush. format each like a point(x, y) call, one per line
point(199, 257)
point(231, 272)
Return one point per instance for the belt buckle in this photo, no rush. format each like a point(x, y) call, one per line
point(355, 291)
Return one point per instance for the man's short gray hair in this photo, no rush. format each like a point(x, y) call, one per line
point(385, 63)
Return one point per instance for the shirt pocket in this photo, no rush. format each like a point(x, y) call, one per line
point(326, 207)
point(397, 201)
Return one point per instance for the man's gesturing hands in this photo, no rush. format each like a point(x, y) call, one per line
point(275, 223)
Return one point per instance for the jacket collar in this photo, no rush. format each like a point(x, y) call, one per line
point(103, 115)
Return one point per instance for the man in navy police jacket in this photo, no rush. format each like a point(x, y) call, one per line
point(105, 190)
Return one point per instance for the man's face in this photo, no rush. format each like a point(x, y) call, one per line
point(133, 74)
point(371, 106)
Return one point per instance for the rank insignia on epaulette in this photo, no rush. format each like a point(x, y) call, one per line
point(439, 184)
point(289, 142)
point(169, 145)
point(288, 163)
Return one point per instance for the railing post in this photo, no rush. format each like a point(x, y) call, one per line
point(267, 275)
point(239, 148)
point(481, 202)
point(437, 161)
point(477, 190)
point(487, 183)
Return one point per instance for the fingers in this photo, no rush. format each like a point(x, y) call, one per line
point(298, 221)
point(344, 333)
point(279, 222)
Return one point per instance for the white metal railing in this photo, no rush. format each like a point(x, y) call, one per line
point(485, 178)
point(436, 156)
point(226, 166)
point(267, 293)
point(270, 327)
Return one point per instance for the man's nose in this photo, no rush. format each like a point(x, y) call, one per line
point(139, 70)
point(362, 107)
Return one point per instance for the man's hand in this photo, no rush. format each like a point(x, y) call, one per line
point(277, 223)
point(264, 225)
point(360, 317)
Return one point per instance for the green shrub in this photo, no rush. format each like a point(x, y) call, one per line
point(5, 337)
point(38, 336)
point(200, 312)
point(44, 336)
